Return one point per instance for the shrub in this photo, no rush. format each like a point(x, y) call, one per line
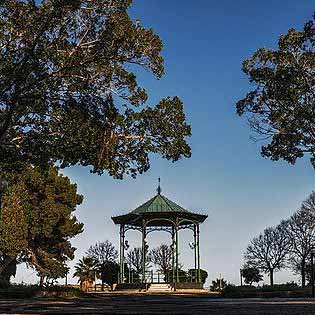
point(19, 291)
point(218, 284)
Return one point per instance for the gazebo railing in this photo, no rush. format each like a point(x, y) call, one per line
point(158, 277)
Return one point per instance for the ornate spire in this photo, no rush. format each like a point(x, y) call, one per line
point(159, 187)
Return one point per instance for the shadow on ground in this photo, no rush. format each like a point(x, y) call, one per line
point(156, 304)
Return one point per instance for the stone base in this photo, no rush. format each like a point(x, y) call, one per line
point(131, 286)
point(188, 285)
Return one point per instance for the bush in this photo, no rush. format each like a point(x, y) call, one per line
point(19, 291)
point(193, 274)
point(232, 291)
point(218, 284)
point(279, 287)
point(290, 289)
point(4, 283)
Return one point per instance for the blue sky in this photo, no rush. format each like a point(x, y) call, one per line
point(205, 42)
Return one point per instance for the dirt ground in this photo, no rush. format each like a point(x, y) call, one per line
point(157, 304)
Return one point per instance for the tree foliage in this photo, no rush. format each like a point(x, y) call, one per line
point(251, 274)
point(268, 251)
point(37, 220)
point(69, 92)
point(109, 273)
point(218, 284)
point(85, 269)
point(193, 274)
point(281, 106)
point(105, 256)
point(103, 252)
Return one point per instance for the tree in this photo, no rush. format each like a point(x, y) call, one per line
point(134, 260)
point(269, 250)
point(38, 222)
point(109, 273)
point(162, 258)
point(281, 106)
point(69, 93)
point(85, 270)
point(251, 275)
point(301, 232)
point(105, 254)
point(218, 284)
point(194, 272)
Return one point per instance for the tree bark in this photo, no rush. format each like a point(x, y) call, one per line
point(271, 276)
point(41, 281)
point(303, 273)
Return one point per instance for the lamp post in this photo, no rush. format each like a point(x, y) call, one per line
point(126, 247)
point(193, 246)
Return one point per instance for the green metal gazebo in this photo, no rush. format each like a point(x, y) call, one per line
point(160, 214)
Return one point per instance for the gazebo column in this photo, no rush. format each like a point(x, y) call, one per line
point(176, 240)
point(144, 249)
point(173, 253)
point(195, 252)
point(122, 254)
point(198, 252)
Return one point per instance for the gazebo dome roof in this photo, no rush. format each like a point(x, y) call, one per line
point(159, 203)
point(159, 211)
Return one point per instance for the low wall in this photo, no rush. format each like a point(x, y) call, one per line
point(188, 285)
point(130, 286)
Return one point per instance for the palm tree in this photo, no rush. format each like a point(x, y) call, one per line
point(86, 270)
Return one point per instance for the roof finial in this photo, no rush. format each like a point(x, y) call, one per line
point(159, 187)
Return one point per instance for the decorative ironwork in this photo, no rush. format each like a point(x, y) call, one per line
point(159, 228)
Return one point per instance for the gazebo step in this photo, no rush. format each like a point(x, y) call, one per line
point(159, 287)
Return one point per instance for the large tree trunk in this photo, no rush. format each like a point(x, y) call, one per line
point(271, 276)
point(41, 281)
point(303, 273)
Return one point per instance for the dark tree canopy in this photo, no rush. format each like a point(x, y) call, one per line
point(69, 93)
point(281, 106)
point(109, 273)
point(251, 274)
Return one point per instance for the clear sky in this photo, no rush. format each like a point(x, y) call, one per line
point(205, 42)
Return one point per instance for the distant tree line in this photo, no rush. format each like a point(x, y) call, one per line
point(286, 246)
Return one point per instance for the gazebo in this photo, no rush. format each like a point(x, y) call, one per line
point(160, 214)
